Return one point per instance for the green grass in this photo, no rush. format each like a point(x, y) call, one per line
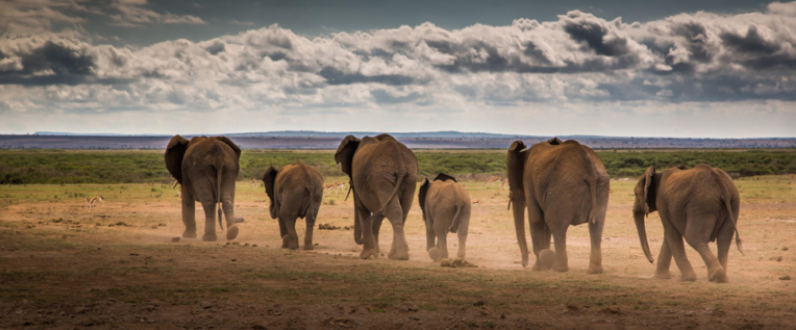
point(139, 166)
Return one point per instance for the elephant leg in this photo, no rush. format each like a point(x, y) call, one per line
point(697, 234)
point(664, 261)
point(723, 243)
point(227, 206)
point(292, 237)
point(283, 232)
point(560, 237)
point(442, 244)
point(464, 224)
point(540, 233)
point(310, 220)
point(675, 242)
point(210, 221)
point(369, 249)
point(376, 228)
point(430, 235)
point(596, 235)
point(188, 214)
point(399, 249)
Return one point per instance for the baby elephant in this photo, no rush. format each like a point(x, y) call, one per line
point(446, 207)
point(699, 204)
point(296, 191)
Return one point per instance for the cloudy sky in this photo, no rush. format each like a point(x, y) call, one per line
point(621, 68)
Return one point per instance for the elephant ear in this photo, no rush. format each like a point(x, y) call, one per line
point(515, 164)
point(682, 167)
point(231, 144)
point(554, 141)
point(345, 153)
point(444, 177)
point(174, 154)
point(421, 196)
point(268, 181)
point(648, 189)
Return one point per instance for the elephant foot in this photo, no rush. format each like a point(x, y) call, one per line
point(209, 238)
point(435, 254)
point(719, 276)
point(536, 266)
point(369, 254)
point(232, 232)
point(308, 247)
point(547, 259)
point(189, 234)
point(595, 269)
point(688, 278)
point(285, 242)
point(662, 275)
point(402, 254)
point(561, 267)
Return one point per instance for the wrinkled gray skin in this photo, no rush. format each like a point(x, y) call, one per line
point(383, 178)
point(206, 168)
point(296, 191)
point(699, 204)
point(446, 208)
point(562, 184)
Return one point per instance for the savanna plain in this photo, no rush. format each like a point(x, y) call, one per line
point(64, 265)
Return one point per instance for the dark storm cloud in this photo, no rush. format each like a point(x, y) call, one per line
point(50, 64)
point(593, 35)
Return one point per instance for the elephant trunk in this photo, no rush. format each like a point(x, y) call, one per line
point(642, 234)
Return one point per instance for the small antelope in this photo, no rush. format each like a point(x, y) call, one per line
point(254, 183)
point(328, 186)
point(477, 202)
point(504, 184)
point(491, 180)
point(340, 186)
point(94, 200)
point(792, 179)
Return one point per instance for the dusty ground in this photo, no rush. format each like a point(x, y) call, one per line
point(63, 266)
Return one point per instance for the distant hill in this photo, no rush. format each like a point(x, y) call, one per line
point(415, 140)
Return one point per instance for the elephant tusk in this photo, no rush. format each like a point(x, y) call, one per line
point(350, 187)
point(175, 184)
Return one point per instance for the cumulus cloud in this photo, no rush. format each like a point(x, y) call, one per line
point(580, 57)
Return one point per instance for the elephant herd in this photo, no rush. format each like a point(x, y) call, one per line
point(557, 183)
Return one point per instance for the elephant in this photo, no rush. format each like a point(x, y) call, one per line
point(295, 191)
point(382, 176)
point(446, 207)
point(206, 168)
point(561, 184)
point(700, 204)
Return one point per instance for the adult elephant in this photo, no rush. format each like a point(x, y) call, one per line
point(700, 204)
point(446, 208)
point(206, 168)
point(383, 178)
point(296, 191)
point(562, 184)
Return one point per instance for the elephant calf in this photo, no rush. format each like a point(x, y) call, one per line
point(446, 207)
point(700, 204)
point(296, 191)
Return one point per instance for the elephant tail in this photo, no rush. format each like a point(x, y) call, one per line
point(219, 171)
point(394, 191)
point(454, 227)
point(725, 196)
point(738, 242)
